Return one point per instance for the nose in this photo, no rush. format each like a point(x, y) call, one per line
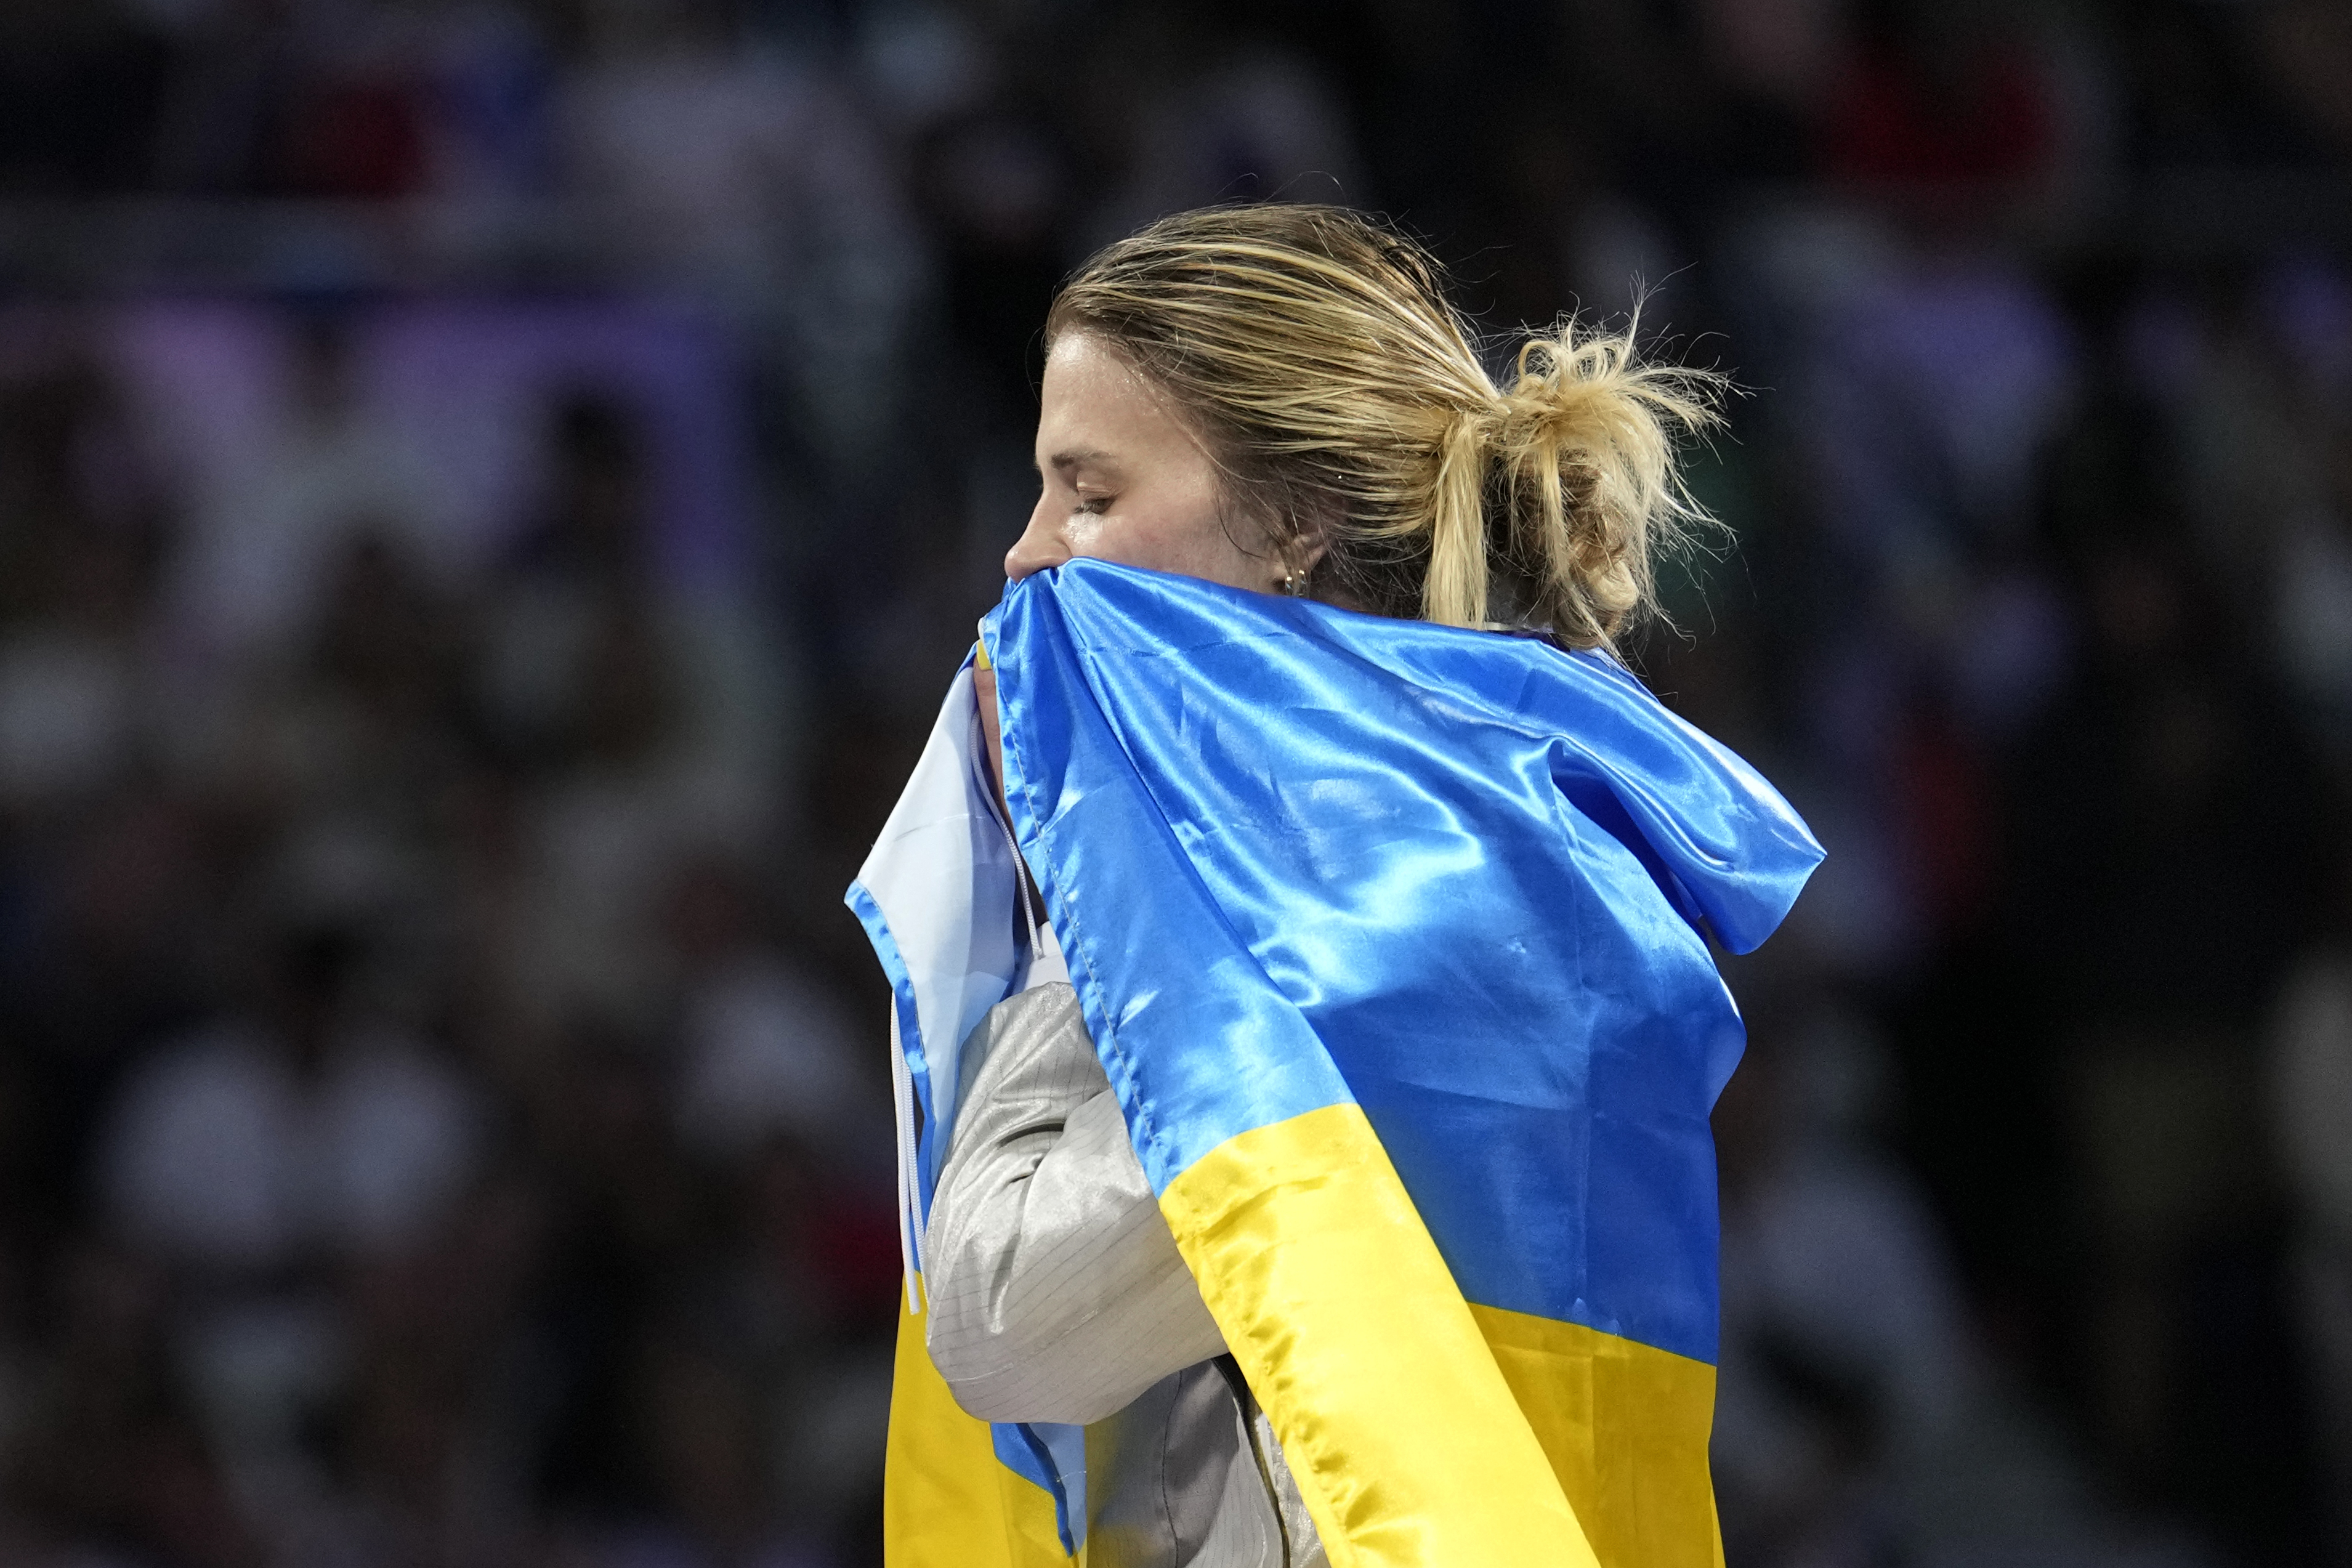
point(1040, 546)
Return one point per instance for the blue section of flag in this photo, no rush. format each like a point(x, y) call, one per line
point(1299, 856)
point(1042, 1455)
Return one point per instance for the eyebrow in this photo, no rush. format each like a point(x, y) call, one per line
point(1072, 459)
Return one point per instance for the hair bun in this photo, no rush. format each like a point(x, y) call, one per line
point(1591, 493)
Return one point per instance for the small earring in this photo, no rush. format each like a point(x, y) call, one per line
point(1294, 583)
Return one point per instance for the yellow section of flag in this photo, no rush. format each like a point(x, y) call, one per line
point(1407, 1443)
point(947, 1502)
point(1625, 1427)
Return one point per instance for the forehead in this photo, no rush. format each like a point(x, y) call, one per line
point(1093, 398)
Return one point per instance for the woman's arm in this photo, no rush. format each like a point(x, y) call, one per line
point(1055, 1290)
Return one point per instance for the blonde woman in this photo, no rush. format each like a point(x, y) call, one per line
point(1305, 1103)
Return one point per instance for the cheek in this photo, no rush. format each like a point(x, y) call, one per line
point(1182, 532)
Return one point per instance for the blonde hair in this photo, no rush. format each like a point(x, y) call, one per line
point(1343, 398)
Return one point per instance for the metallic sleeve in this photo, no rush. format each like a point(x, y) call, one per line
point(1056, 1292)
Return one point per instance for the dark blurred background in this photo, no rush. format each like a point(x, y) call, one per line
point(491, 493)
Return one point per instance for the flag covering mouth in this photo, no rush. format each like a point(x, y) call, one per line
point(1392, 939)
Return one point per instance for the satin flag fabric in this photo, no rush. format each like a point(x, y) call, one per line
point(1392, 939)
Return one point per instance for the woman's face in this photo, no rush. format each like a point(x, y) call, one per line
point(1125, 480)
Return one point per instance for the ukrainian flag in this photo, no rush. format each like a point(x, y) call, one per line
point(1393, 940)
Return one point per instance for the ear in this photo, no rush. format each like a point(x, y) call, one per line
point(1308, 542)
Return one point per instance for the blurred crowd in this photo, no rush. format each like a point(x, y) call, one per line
point(491, 493)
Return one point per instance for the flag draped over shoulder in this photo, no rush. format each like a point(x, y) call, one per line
point(1392, 940)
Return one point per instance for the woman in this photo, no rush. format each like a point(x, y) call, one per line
point(1307, 846)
